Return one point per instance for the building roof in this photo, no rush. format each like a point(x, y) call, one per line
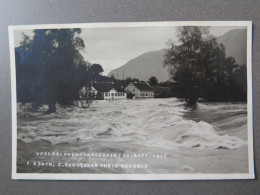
point(142, 86)
point(161, 88)
point(106, 87)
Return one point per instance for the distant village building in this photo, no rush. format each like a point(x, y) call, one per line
point(140, 90)
point(108, 91)
point(162, 92)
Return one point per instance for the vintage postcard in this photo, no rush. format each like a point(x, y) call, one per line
point(132, 101)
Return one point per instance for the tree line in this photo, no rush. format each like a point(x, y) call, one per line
point(51, 70)
point(200, 69)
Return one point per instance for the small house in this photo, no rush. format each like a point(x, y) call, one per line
point(140, 90)
point(108, 91)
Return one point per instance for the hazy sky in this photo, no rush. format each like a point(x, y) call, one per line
point(113, 47)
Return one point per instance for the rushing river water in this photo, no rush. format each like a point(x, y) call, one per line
point(158, 134)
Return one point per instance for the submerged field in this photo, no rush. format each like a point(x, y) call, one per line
point(212, 139)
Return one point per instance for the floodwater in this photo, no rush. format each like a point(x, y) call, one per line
point(134, 136)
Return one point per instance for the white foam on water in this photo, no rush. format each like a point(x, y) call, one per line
point(151, 123)
point(203, 135)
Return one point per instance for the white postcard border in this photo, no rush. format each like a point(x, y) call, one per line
point(85, 176)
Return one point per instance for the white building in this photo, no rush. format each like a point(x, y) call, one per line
point(108, 91)
point(114, 94)
point(140, 90)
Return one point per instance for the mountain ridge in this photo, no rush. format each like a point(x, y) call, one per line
point(233, 40)
point(151, 60)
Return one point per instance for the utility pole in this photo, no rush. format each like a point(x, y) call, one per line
point(117, 73)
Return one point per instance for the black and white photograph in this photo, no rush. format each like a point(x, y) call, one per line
point(132, 101)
